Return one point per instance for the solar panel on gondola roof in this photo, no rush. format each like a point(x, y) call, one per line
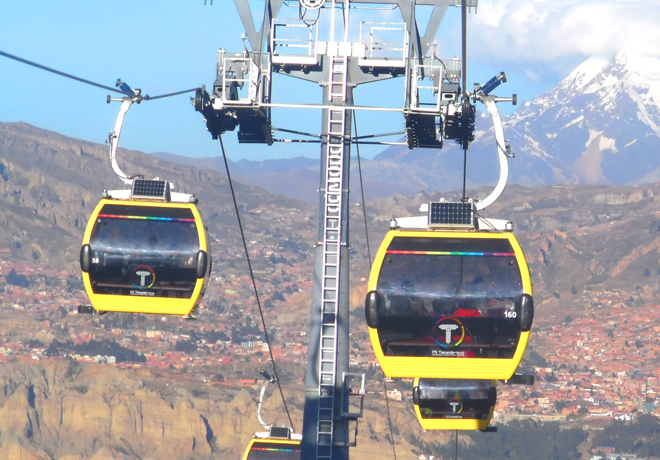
point(450, 213)
point(154, 189)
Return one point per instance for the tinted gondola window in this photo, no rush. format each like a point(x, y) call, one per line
point(274, 451)
point(449, 297)
point(454, 399)
point(144, 251)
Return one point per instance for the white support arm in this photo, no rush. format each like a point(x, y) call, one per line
point(113, 138)
point(490, 103)
point(259, 404)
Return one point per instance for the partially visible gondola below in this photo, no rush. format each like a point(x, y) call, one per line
point(449, 304)
point(272, 449)
point(278, 442)
point(444, 404)
point(146, 256)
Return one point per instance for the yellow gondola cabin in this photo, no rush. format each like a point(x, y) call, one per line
point(145, 257)
point(445, 404)
point(449, 304)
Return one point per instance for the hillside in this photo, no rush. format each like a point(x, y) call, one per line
point(578, 239)
point(67, 410)
point(574, 236)
point(51, 183)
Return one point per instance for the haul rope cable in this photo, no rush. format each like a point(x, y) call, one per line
point(465, 112)
point(366, 231)
point(89, 82)
point(254, 284)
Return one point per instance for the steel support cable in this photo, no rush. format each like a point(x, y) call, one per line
point(364, 202)
point(254, 283)
point(176, 93)
point(366, 231)
point(63, 74)
point(292, 131)
point(89, 82)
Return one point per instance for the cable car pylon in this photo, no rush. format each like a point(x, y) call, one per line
point(324, 51)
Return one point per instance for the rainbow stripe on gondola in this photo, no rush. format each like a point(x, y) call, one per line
point(172, 219)
point(450, 253)
point(273, 449)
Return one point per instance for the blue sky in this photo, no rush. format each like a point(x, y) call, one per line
point(164, 46)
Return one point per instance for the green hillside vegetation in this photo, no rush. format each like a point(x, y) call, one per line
point(521, 440)
point(104, 347)
point(640, 437)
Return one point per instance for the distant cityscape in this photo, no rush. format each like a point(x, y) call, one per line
point(599, 363)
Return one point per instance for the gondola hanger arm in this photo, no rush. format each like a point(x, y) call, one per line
point(113, 137)
point(268, 380)
point(490, 102)
point(133, 95)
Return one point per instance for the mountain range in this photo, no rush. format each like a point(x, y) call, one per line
point(584, 236)
point(49, 185)
point(599, 125)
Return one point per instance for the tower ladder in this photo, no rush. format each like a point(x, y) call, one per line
point(332, 240)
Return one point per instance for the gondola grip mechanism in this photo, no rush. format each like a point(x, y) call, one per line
point(489, 100)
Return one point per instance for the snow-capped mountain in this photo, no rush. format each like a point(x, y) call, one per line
point(600, 124)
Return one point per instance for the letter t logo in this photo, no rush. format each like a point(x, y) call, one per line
point(448, 328)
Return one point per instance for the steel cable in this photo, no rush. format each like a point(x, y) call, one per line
point(366, 230)
point(89, 82)
point(254, 284)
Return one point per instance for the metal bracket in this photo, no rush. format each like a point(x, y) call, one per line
point(90, 310)
point(352, 409)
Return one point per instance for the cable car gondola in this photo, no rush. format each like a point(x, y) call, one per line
point(279, 442)
point(449, 304)
point(145, 250)
point(446, 404)
point(449, 295)
point(145, 257)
